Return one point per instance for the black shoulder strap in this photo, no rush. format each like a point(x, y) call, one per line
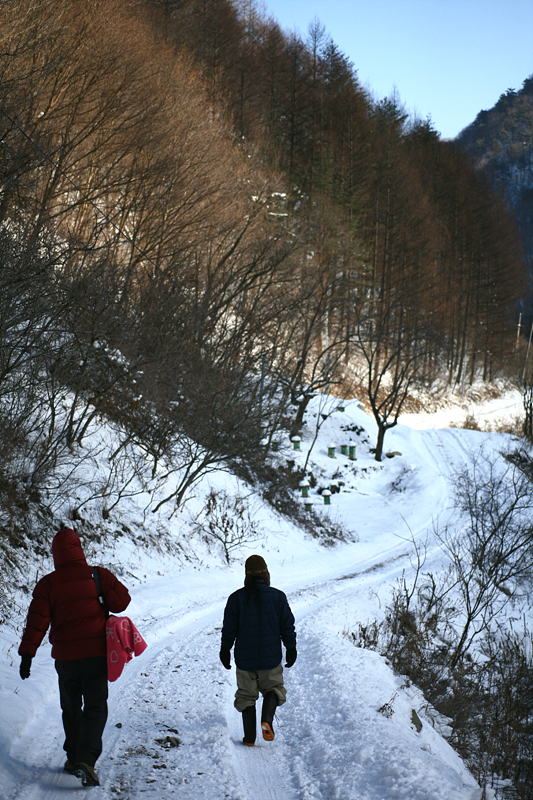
point(101, 598)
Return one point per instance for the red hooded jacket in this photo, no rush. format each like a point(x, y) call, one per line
point(67, 600)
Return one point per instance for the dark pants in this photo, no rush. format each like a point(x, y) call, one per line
point(83, 696)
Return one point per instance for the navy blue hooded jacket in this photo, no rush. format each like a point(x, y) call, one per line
point(258, 623)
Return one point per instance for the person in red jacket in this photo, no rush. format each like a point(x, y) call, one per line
point(66, 600)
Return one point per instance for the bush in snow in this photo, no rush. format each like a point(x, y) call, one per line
point(226, 520)
point(454, 636)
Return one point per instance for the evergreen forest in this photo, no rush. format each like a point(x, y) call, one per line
point(204, 221)
point(500, 144)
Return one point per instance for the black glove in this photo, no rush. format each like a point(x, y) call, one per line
point(25, 666)
point(225, 657)
point(290, 656)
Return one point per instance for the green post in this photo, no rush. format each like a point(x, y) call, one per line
point(351, 451)
point(326, 494)
point(296, 442)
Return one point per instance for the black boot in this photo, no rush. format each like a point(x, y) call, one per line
point(249, 725)
point(270, 703)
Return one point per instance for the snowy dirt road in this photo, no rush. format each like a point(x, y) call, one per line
point(346, 731)
point(331, 741)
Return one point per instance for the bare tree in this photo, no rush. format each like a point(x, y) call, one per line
point(227, 521)
point(527, 399)
point(493, 556)
point(391, 352)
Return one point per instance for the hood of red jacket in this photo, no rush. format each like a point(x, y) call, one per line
point(67, 549)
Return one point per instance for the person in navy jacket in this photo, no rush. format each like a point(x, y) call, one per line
point(258, 619)
point(67, 601)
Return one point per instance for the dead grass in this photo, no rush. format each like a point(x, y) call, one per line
point(514, 426)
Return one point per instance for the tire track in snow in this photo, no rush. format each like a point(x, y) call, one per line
point(263, 771)
point(447, 441)
point(341, 750)
point(178, 690)
point(182, 687)
point(35, 764)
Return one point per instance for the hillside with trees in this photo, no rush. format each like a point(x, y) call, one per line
point(203, 222)
point(210, 236)
point(500, 144)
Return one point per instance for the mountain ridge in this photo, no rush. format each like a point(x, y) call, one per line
point(499, 142)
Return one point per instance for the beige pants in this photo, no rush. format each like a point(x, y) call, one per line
point(249, 684)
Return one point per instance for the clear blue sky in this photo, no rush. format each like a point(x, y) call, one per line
point(448, 59)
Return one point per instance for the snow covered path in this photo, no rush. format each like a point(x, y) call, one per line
point(331, 742)
point(346, 731)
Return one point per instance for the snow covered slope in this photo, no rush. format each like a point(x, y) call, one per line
point(347, 731)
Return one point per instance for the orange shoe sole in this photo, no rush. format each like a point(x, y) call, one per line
point(268, 733)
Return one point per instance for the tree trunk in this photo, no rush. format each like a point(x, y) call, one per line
point(379, 444)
